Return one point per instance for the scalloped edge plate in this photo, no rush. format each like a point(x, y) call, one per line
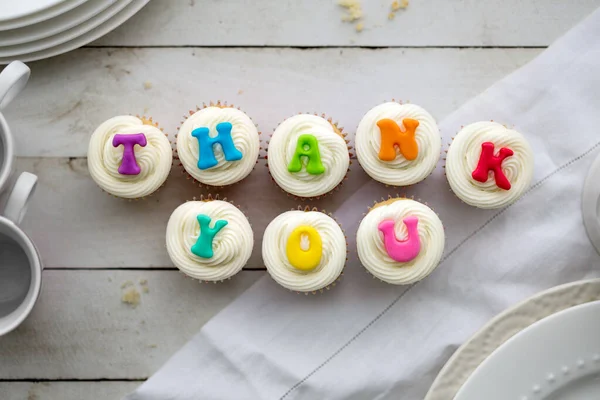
point(559, 354)
point(474, 351)
point(590, 204)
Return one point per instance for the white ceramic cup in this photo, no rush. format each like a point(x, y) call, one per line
point(20, 263)
point(12, 80)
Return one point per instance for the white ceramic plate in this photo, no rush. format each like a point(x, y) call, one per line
point(591, 204)
point(56, 25)
point(63, 37)
point(474, 351)
point(58, 9)
point(130, 10)
point(557, 357)
point(12, 9)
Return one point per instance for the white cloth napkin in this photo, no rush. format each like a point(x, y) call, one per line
point(368, 340)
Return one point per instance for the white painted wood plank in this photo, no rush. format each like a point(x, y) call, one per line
point(76, 225)
point(70, 95)
point(318, 23)
point(80, 328)
point(66, 390)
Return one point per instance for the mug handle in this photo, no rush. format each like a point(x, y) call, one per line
point(12, 80)
point(16, 206)
point(590, 204)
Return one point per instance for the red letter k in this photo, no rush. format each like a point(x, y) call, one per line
point(488, 161)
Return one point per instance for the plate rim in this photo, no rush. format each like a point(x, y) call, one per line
point(41, 16)
point(70, 19)
point(112, 23)
point(37, 10)
point(439, 390)
point(65, 36)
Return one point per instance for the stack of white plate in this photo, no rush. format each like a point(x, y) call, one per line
point(36, 29)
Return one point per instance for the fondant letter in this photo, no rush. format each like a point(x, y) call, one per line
point(304, 258)
point(488, 161)
point(129, 165)
point(392, 136)
point(401, 250)
point(203, 246)
point(307, 146)
point(206, 157)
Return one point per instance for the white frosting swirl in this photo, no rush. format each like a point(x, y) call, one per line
point(463, 156)
point(245, 138)
point(104, 159)
point(400, 171)
point(333, 257)
point(332, 146)
point(371, 247)
point(232, 245)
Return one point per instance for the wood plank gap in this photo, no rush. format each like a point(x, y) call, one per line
point(34, 380)
point(131, 269)
point(325, 47)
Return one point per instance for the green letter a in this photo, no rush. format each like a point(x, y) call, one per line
point(308, 147)
point(203, 246)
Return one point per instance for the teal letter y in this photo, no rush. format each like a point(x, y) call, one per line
point(203, 246)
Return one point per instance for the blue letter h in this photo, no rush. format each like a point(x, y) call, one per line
point(206, 158)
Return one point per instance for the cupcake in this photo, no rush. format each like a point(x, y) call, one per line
point(489, 165)
point(209, 240)
point(400, 241)
point(218, 145)
point(304, 250)
point(398, 144)
point(129, 157)
point(308, 156)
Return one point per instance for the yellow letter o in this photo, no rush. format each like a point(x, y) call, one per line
point(304, 260)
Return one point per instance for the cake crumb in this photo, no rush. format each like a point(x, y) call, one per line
point(152, 346)
point(396, 6)
point(126, 284)
point(131, 297)
point(359, 27)
point(240, 91)
point(353, 10)
point(147, 85)
point(144, 285)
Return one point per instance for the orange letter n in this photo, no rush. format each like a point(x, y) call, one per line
point(392, 136)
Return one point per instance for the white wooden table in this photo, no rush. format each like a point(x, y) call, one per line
point(273, 58)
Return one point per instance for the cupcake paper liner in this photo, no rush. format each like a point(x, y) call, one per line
point(395, 187)
point(444, 157)
point(189, 177)
point(307, 208)
point(340, 131)
point(146, 121)
point(206, 198)
point(389, 200)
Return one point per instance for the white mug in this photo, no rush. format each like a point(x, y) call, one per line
point(20, 263)
point(12, 80)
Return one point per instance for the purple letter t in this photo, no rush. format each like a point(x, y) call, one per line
point(129, 164)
